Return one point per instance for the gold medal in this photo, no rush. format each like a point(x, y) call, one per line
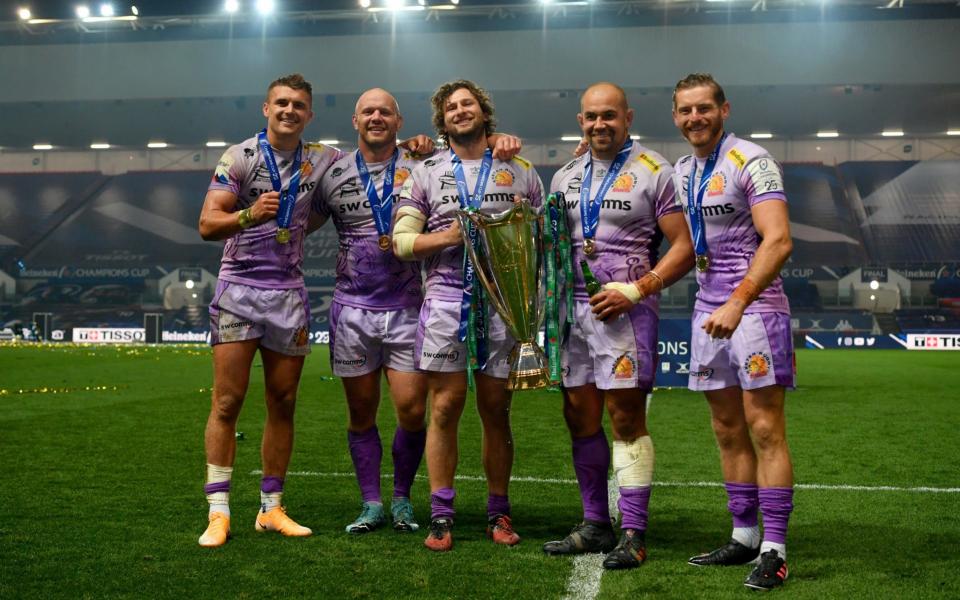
point(589, 247)
point(283, 235)
point(384, 242)
point(703, 263)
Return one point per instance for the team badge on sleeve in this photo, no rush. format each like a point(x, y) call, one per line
point(765, 175)
point(222, 174)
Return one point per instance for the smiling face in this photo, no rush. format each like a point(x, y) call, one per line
point(463, 116)
point(699, 117)
point(605, 119)
point(288, 112)
point(377, 119)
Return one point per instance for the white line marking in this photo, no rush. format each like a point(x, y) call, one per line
point(814, 342)
point(897, 339)
point(679, 484)
point(584, 580)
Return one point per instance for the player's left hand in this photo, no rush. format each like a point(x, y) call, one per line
point(418, 144)
point(723, 322)
point(505, 147)
point(610, 304)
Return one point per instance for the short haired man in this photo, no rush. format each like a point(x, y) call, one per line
point(259, 202)
point(741, 347)
point(619, 201)
point(426, 229)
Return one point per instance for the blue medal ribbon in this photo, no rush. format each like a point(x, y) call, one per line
point(695, 204)
point(382, 207)
point(472, 296)
point(288, 197)
point(590, 209)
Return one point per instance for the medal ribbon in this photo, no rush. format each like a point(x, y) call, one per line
point(473, 313)
point(382, 208)
point(590, 209)
point(695, 203)
point(287, 196)
point(557, 257)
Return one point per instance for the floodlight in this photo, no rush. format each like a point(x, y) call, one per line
point(761, 135)
point(24, 13)
point(394, 4)
point(231, 6)
point(874, 285)
point(873, 297)
point(83, 11)
point(99, 146)
point(828, 134)
point(216, 144)
point(189, 284)
point(892, 133)
point(953, 132)
point(157, 145)
point(364, 3)
point(43, 147)
point(106, 10)
point(265, 7)
point(135, 11)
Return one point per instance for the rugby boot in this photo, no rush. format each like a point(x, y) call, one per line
point(440, 538)
point(732, 553)
point(629, 553)
point(218, 531)
point(769, 574)
point(402, 512)
point(500, 530)
point(588, 536)
point(276, 519)
point(371, 517)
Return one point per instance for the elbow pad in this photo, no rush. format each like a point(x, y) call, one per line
point(627, 289)
point(409, 225)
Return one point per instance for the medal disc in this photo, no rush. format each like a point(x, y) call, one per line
point(703, 263)
point(384, 242)
point(283, 235)
point(589, 246)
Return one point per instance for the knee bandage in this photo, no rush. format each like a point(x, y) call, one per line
point(633, 462)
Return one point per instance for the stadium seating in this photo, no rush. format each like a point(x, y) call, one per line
point(928, 320)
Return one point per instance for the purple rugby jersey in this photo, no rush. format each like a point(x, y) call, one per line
point(253, 256)
point(744, 176)
point(627, 237)
point(432, 190)
point(367, 277)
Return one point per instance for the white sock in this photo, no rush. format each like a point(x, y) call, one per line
point(218, 501)
point(748, 536)
point(780, 548)
point(269, 500)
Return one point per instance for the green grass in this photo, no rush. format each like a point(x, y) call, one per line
point(102, 488)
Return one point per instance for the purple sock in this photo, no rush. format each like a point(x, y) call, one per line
point(441, 503)
point(497, 505)
point(271, 485)
point(591, 462)
point(407, 452)
point(366, 452)
point(220, 486)
point(742, 503)
point(776, 504)
point(633, 506)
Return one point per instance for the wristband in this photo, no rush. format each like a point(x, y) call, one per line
point(244, 219)
point(650, 283)
point(746, 292)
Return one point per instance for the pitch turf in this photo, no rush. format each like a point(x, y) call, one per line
point(101, 454)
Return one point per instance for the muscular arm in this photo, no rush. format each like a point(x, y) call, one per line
point(218, 220)
point(772, 222)
point(409, 241)
point(617, 298)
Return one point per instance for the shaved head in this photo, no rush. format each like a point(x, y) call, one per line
point(376, 97)
point(605, 92)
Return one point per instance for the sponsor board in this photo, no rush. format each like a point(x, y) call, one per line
point(933, 341)
point(673, 353)
point(109, 335)
point(185, 337)
point(826, 341)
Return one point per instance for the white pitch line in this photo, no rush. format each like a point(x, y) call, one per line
point(680, 484)
point(584, 580)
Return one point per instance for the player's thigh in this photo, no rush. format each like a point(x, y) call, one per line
point(408, 389)
point(231, 375)
point(764, 411)
point(583, 409)
point(281, 374)
point(493, 398)
point(628, 411)
point(363, 397)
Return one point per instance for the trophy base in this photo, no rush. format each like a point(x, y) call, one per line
point(528, 367)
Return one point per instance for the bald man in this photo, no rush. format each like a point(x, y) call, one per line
point(376, 305)
point(619, 203)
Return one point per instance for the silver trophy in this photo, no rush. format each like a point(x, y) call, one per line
point(509, 263)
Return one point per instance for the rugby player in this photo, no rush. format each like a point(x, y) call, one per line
point(741, 347)
point(619, 201)
point(426, 229)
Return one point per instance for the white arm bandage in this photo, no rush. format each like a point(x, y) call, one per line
point(627, 289)
point(409, 225)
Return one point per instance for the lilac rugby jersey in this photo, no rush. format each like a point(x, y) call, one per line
point(367, 277)
point(627, 237)
point(745, 175)
point(253, 256)
point(432, 190)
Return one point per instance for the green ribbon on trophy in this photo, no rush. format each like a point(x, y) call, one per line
point(557, 251)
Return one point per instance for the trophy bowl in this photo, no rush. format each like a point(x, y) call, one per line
point(508, 260)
